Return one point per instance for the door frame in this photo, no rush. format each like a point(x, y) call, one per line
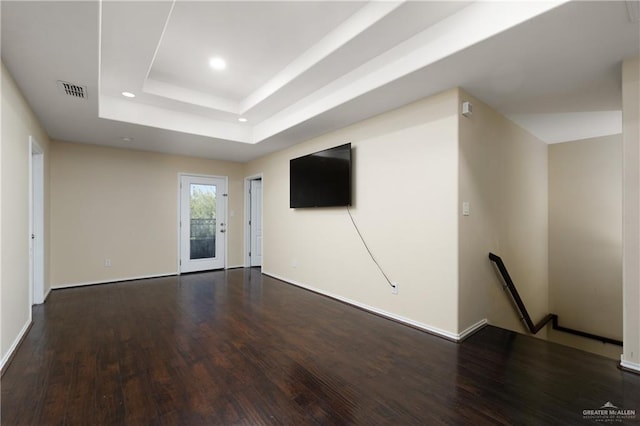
point(226, 217)
point(247, 217)
point(36, 223)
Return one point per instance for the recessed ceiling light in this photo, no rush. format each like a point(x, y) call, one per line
point(127, 139)
point(242, 120)
point(217, 63)
point(128, 95)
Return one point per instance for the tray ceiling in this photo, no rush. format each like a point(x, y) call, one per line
point(294, 70)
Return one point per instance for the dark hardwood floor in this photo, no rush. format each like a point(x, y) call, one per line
point(237, 347)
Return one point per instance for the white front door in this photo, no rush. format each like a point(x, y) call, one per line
point(256, 223)
point(203, 217)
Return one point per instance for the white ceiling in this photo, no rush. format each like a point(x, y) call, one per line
point(298, 69)
point(256, 48)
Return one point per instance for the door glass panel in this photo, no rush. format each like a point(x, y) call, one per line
point(202, 206)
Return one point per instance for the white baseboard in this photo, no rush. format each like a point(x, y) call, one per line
point(235, 266)
point(113, 280)
point(471, 329)
point(629, 365)
point(46, 295)
point(456, 337)
point(15, 344)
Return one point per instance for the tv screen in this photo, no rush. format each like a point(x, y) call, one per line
point(321, 179)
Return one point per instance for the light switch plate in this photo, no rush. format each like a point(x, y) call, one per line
point(466, 208)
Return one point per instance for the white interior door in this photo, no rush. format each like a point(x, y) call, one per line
point(203, 223)
point(256, 223)
point(36, 223)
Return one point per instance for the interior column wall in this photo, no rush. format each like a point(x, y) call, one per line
point(503, 177)
point(631, 213)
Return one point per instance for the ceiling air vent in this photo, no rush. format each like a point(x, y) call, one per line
point(73, 90)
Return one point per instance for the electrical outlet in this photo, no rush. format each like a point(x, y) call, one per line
point(107, 263)
point(394, 288)
point(294, 263)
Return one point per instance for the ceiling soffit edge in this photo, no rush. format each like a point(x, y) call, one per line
point(480, 20)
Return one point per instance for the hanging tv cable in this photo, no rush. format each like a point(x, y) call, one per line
point(368, 250)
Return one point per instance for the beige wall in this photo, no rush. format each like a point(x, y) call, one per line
point(18, 123)
point(585, 240)
point(123, 205)
point(503, 175)
point(3, 352)
point(631, 212)
point(405, 203)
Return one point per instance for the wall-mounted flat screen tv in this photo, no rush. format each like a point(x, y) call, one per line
point(321, 179)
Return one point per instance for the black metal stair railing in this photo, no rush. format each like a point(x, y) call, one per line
point(553, 318)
